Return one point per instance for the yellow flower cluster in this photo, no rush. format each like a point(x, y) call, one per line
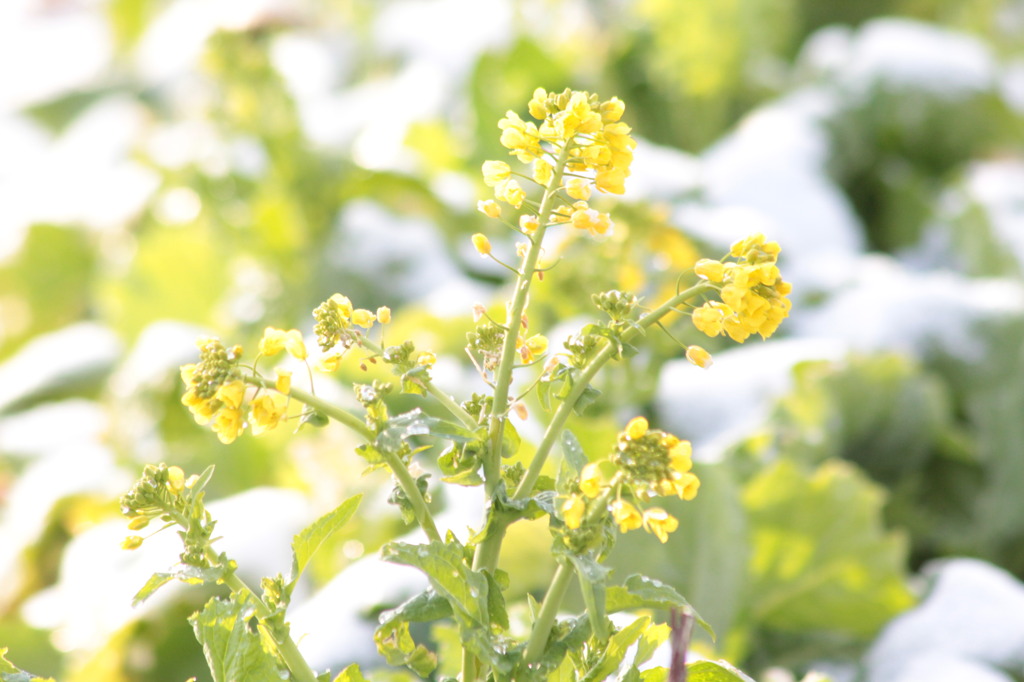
point(753, 295)
point(587, 134)
point(337, 319)
point(647, 462)
point(216, 393)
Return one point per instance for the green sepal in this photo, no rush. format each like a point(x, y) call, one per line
point(232, 649)
point(640, 592)
point(310, 539)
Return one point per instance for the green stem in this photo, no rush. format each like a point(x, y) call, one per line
point(394, 462)
point(503, 375)
point(333, 411)
point(548, 610)
point(286, 647)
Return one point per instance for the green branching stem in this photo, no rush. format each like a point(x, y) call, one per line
point(503, 375)
point(607, 351)
point(394, 462)
point(286, 647)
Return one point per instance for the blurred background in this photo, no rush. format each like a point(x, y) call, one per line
point(173, 168)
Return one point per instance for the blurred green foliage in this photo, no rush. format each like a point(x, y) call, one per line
point(801, 542)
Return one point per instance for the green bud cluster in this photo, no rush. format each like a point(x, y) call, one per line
point(217, 365)
point(645, 460)
point(617, 304)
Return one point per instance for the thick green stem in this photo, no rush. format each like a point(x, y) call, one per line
point(548, 610)
point(412, 492)
point(503, 375)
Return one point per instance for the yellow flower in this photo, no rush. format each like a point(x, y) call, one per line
point(710, 317)
point(699, 356)
point(538, 104)
point(384, 314)
point(426, 359)
point(482, 244)
point(708, 269)
point(591, 480)
point(362, 317)
point(578, 188)
point(275, 340)
point(232, 393)
point(680, 456)
point(284, 381)
point(496, 171)
point(612, 180)
point(330, 363)
point(342, 305)
point(175, 480)
point(543, 172)
point(636, 428)
point(626, 515)
point(228, 425)
point(612, 110)
point(510, 192)
point(573, 510)
point(593, 221)
point(532, 347)
point(528, 223)
point(489, 208)
point(267, 412)
point(658, 521)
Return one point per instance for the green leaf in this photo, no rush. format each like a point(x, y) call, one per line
point(350, 674)
point(714, 671)
point(425, 606)
point(654, 675)
point(397, 647)
point(653, 637)
point(309, 540)
point(641, 592)
point(615, 650)
point(510, 440)
point(155, 582)
point(11, 673)
point(445, 568)
point(191, 575)
point(233, 650)
point(573, 451)
point(822, 558)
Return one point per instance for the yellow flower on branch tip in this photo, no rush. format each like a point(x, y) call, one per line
point(330, 363)
point(612, 110)
point(482, 244)
point(591, 480)
point(698, 356)
point(510, 192)
point(496, 171)
point(658, 521)
point(364, 318)
point(612, 181)
point(573, 510)
point(532, 347)
point(426, 359)
point(275, 340)
point(626, 515)
point(489, 208)
point(636, 428)
point(686, 486)
point(384, 314)
point(343, 305)
point(543, 172)
point(267, 412)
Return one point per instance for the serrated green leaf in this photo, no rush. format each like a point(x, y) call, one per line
point(573, 451)
point(445, 568)
point(425, 606)
point(397, 647)
point(310, 539)
point(714, 671)
point(641, 592)
point(234, 651)
point(350, 674)
point(496, 601)
point(653, 637)
point(615, 651)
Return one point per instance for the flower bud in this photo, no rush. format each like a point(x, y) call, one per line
point(698, 356)
point(482, 244)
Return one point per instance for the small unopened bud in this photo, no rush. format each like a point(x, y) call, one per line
point(131, 542)
point(699, 356)
point(479, 311)
point(520, 409)
point(482, 244)
point(138, 523)
point(384, 314)
point(175, 480)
